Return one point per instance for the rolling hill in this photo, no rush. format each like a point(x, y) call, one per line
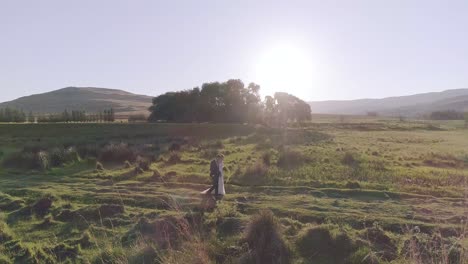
point(89, 99)
point(411, 105)
point(93, 99)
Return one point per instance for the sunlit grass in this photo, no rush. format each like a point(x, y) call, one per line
point(347, 177)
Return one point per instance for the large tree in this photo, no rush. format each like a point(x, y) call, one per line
point(229, 101)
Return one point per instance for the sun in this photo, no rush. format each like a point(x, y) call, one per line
point(284, 68)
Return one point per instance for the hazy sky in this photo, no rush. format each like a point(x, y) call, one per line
point(332, 49)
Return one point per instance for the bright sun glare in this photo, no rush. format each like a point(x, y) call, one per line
point(284, 68)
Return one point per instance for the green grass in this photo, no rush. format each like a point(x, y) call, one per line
point(344, 177)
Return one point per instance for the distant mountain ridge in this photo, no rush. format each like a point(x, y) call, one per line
point(93, 100)
point(90, 99)
point(410, 105)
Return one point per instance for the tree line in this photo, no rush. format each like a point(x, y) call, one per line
point(228, 102)
point(12, 115)
point(447, 115)
point(107, 115)
point(19, 116)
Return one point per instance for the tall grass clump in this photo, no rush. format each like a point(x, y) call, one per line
point(117, 153)
point(194, 251)
point(349, 159)
point(289, 158)
point(322, 244)
point(254, 174)
point(99, 166)
point(423, 248)
point(381, 243)
point(265, 241)
point(28, 160)
point(59, 156)
point(144, 253)
point(111, 254)
point(88, 150)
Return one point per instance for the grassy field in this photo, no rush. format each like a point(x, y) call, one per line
point(337, 190)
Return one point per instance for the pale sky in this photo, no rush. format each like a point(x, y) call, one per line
point(317, 50)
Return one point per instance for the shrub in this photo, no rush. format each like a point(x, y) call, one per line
point(117, 153)
point(290, 158)
point(319, 244)
point(59, 156)
point(87, 150)
point(265, 241)
point(43, 160)
point(27, 160)
point(18, 159)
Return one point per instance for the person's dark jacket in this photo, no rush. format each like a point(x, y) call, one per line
point(214, 170)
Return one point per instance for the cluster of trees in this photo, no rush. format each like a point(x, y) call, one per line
point(13, 115)
point(107, 115)
point(19, 116)
point(283, 107)
point(447, 115)
point(230, 102)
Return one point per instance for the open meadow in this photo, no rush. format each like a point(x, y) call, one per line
point(339, 189)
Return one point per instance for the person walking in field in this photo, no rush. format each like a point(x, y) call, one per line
point(217, 176)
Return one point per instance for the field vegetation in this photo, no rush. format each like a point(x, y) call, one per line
point(338, 189)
